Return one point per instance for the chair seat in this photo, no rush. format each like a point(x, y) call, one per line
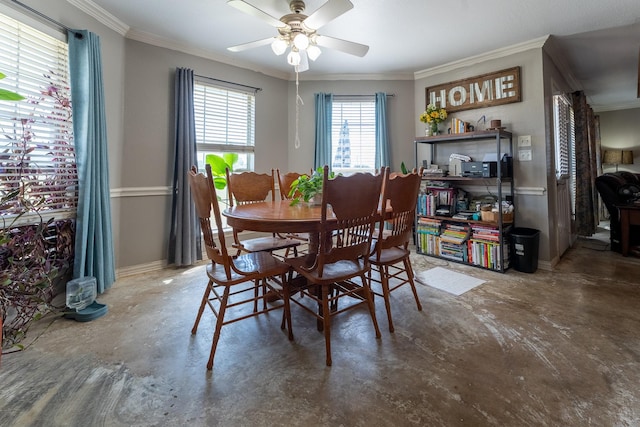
point(334, 272)
point(267, 243)
point(304, 237)
point(263, 263)
point(389, 256)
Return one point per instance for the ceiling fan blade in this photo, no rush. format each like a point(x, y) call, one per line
point(250, 9)
point(327, 12)
point(351, 48)
point(251, 45)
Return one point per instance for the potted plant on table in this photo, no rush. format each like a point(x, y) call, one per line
point(306, 188)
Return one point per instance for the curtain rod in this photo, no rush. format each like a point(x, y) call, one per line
point(257, 89)
point(43, 16)
point(364, 96)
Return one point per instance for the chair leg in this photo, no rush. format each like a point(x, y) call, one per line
point(384, 281)
point(286, 295)
point(256, 292)
point(205, 297)
point(219, 323)
point(326, 318)
point(410, 275)
point(366, 286)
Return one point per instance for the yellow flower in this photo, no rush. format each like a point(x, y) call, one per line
point(433, 114)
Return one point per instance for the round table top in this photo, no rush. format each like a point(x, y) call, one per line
point(277, 217)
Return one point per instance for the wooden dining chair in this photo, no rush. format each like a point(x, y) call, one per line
point(251, 187)
point(339, 269)
point(234, 281)
point(390, 259)
point(284, 182)
point(284, 185)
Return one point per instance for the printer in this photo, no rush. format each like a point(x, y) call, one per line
point(488, 167)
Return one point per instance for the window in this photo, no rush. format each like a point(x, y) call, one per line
point(225, 123)
point(353, 135)
point(37, 159)
point(565, 143)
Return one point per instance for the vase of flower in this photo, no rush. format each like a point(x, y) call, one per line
point(434, 128)
point(432, 117)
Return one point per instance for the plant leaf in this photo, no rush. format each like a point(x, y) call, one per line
point(217, 163)
point(7, 95)
point(230, 159)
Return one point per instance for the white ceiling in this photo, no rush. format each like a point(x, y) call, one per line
point(599, 39)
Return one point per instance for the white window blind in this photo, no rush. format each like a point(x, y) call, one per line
point(225, 123)
point(562, 113)
point(353, 135)
point(37, 158)
point(565, 142)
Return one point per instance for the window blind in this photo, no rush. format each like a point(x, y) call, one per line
point(353, 135)
point(565, 143)
point(225, 123)
point(224, 117)
point(562, 126)
point(37, 158)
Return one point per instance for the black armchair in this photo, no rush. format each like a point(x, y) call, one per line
point(618, 188)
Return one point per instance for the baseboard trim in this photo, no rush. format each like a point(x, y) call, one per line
point(133, 270)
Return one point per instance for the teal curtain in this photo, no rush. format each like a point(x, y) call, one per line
point(94, 256)
point(184, 235)
point(324, 105)
point(382, 132)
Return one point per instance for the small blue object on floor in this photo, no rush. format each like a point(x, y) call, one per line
point(90, 312)
point(81, 303)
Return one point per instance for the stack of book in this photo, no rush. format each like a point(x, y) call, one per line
point(428, 231)
point(484, 247)
point(426, 204)
point(453, 241)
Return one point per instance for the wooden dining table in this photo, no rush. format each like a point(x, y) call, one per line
point(279, 217)
point(275, 217)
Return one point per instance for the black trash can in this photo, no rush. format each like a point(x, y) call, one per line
point(524, 249)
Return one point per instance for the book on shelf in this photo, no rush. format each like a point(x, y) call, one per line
point(456, 252)
point(488, 254)
point(459, 126)
point(465, 215)
point(486, 233)
point(456, 234)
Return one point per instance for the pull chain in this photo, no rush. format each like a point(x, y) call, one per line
point(298, 103)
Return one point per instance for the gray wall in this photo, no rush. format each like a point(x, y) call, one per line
point(621, 130)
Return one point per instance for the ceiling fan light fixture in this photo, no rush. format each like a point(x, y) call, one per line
point(301, 41)
point(313, 52)
point(279, 46)
point(293, 58)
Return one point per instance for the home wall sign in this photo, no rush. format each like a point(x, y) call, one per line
point(486, 90)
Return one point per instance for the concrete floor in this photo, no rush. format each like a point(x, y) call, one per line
point(557, 348)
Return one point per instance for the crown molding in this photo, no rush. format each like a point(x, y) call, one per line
point(343, 77)
point(95, 11)
point(473, 60)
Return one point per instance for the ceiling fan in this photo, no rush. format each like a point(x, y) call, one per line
point(298, 32)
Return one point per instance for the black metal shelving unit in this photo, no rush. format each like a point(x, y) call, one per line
point(503, 140)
